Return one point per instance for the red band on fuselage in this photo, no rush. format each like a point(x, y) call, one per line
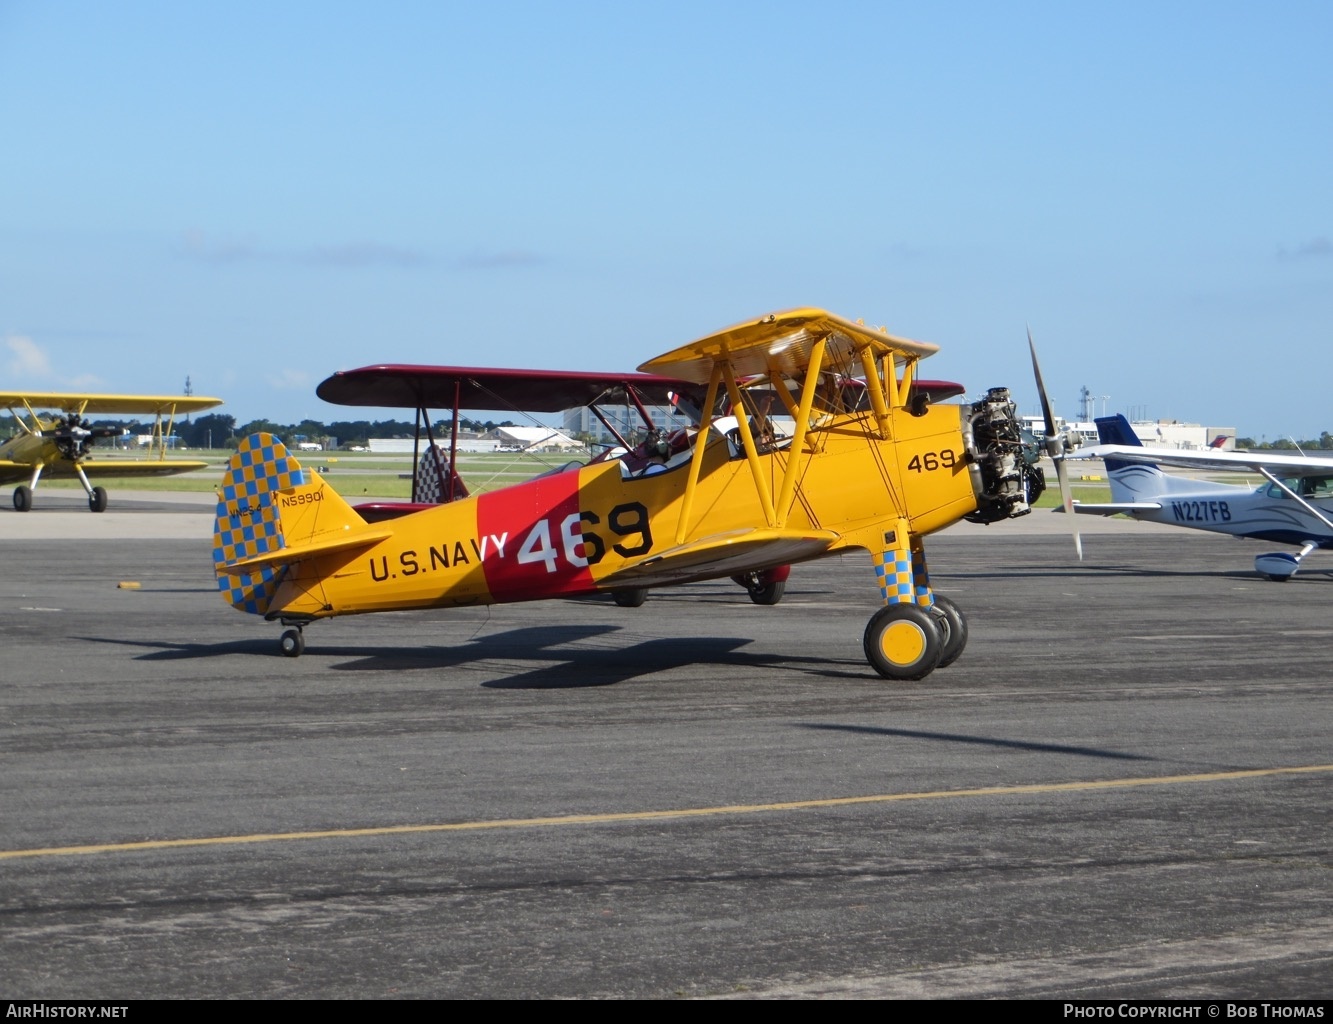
point(534, 539)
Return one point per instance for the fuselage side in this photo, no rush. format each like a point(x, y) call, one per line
point(567, 532)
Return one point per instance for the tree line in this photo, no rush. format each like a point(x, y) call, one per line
point(220, 430)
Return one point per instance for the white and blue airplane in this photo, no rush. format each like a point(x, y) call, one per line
point(1293, 506)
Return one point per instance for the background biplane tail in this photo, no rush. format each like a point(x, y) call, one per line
point(270, 513)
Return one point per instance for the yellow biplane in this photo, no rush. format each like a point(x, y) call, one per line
point(55, 440)
point(875, 466)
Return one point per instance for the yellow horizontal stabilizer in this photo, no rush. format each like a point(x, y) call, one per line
point(723, 554)
point(285, 556)
point(84, 403)
point(781, 343)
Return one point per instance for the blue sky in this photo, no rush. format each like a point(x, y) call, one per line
point(256, 195)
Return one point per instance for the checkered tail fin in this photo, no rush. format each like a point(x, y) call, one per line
point(271, 512)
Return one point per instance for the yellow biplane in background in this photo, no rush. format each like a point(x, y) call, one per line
point(55, 440)
point(875, 466)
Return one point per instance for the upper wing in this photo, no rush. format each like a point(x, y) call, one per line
point(441, 387)
point(1224, 462)
point(723, 554)
point(781, 343)
point(83, 403)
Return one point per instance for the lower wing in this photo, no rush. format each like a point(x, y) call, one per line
point(723, 554)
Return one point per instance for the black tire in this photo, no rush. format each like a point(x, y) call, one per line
point(953, 630)
point(291, 643)
point(902, 641)
point(630, 597)
point(97, 500)
point(770, 593)
point(22, 498)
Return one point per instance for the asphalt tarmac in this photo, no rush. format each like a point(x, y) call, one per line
point(1123, 788)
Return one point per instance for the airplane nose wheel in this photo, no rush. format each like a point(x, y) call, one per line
point(291, 643)
point(903, 641)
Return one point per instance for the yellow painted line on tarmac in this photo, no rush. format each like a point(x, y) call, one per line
point(683, 812)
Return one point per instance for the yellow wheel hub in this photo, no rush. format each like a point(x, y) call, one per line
point(902, 643)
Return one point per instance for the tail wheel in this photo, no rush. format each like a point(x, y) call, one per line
point(903, 641)
point(97, 500)
point(291, 643)
point(630, 597)
point(22, 498)
point(953, 630)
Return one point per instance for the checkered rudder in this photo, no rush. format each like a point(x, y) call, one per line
point(247, 522)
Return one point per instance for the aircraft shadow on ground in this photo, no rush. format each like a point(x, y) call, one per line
point(1094, 571)
point(983, 741)
point(558, 666)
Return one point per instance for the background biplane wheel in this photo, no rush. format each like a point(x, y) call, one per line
point(291, 643)
point(902, 641)
point(97, 500)
point(953, 630)
point(630, 597)
point(22, 498)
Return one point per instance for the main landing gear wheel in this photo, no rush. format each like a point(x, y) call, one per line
point(769, 593)
point(291, 643)
point(630, 597)
point(903, 641)
point(22, 498)
point(953, 630)
point(97, 500)
point(762, 588)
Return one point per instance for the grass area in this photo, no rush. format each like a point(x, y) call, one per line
point(1092, 493)
point(353, 475)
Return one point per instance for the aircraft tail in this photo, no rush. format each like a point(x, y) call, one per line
point(1130, 482)
point(271, 512)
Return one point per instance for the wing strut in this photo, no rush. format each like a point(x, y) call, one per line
point(875, 388)
point(747, 442)
point(697, 461)
point(787, 496)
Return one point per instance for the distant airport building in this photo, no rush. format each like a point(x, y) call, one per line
point(535, 439)
point(581, 422)
point(405, 445)
point(1153, 433)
